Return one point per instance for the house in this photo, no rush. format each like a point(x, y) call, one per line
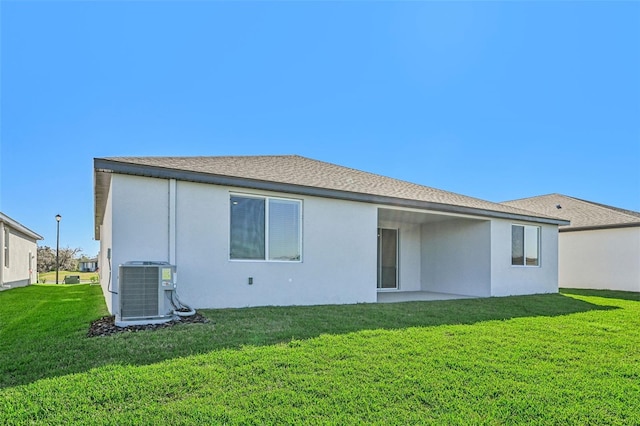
point(19, 254)
point(600, 249)
point(88, 265)
point(289, 230)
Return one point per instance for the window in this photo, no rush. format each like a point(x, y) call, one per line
point(265, 228)
point(6, 247)
point(525, 245)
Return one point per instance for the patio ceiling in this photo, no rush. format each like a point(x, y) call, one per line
point(415, 217)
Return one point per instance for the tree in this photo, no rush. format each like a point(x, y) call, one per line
point(47, 259)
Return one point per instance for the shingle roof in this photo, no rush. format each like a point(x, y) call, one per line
point(582, 214)
point(296, 174)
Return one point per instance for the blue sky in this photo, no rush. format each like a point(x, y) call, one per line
point(494, 100)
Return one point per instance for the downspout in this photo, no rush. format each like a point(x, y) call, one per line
point(180, 309)
point(172, 221)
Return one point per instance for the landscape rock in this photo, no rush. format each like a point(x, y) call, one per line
point(106, 326)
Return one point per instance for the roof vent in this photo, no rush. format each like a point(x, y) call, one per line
point(558, 206)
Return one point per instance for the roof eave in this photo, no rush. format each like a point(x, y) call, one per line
point(111, 166)
point(101, 184)
point(20, 227)
point(599, 227)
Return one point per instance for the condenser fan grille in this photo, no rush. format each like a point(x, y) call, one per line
point(139, 292)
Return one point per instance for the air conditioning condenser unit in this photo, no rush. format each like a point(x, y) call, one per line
point(142, 290)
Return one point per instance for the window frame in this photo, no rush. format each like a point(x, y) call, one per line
point(267, 208)
point(524, 245)
point(7, 248)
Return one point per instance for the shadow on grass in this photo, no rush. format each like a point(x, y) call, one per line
point(268, 325)
point(43, 328)
point(609, 294)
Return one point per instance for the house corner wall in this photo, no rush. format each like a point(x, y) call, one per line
point(23, 249)
point(188, 224)
point(507, 280)
point(601, 259)
point(137, 218)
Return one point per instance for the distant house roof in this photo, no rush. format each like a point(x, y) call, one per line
point(19, 227)
point(582, 214)
point(300, 175)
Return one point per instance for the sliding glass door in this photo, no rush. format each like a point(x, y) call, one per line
point(387, 258)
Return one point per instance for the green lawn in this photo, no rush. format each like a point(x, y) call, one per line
point(571, 358)
point(50, 277)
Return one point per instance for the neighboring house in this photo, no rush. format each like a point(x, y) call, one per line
point(288, 230)
point(600, 249)
point(18, 259)
point(88, 265)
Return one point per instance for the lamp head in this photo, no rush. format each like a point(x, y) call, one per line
point(58, 217)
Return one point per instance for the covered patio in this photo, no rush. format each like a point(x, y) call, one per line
point(415, 296)
point(427, 255)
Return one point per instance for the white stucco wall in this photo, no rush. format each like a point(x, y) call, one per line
point(140, 219)
point(600, 259)
point(187, 224)
point(338, 255)
point(514, 280)
point(456, 257)
point(339, 246)
point(140, 223)
point(22, 250)
point(22, 269)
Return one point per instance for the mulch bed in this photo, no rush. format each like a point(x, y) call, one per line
point(106, 326)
